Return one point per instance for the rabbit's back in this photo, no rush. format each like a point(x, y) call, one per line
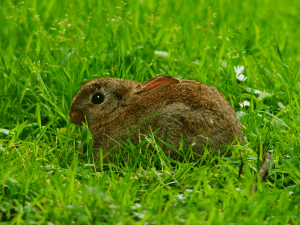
point(196, 112)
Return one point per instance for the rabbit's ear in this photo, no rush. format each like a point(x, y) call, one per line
point(155, 83)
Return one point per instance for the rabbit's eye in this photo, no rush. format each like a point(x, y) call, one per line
point(98, 98)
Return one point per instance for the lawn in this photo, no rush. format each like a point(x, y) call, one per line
point(49, 49)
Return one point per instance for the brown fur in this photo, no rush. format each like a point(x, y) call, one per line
point(187, 107)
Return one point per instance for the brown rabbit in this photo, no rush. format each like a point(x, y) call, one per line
point(183, 108)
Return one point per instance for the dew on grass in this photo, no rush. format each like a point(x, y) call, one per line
point(88, 165)
point(181, 220)
point(241, 114)
point(161, 53)
point(224, 63)
point(140, 215)
point(4, 131)
point(239, 190)
point(281, 105)
point(136, 206)
point(162, 71)
point(1, 149)
point(189, 191)
point(112, 206)
point(197, 62)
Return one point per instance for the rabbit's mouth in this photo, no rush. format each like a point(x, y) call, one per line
point(77, 117)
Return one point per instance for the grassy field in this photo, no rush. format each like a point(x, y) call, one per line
point(50, 48)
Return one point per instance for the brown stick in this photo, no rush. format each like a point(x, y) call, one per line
point(265, 166)
point(262, 171)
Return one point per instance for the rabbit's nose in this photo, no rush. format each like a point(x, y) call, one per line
point(77, 117)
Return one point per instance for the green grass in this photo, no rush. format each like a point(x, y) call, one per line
point(50, 48)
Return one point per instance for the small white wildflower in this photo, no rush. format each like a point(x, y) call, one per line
point(241, 77)
point(140, 215)
point(244, 104)
point(239, 69)
point(180, 197)
point(239, 73)
point(161, 53)
point(257, 91)
point(136, 206)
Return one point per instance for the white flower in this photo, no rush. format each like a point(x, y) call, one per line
point(239, 73)
point(257, 91)
point(244, 104)
point(180, 197)
point(239, 69)
point(136, 206)
point(241, 77)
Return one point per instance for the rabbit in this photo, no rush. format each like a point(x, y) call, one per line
point(186, 109)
